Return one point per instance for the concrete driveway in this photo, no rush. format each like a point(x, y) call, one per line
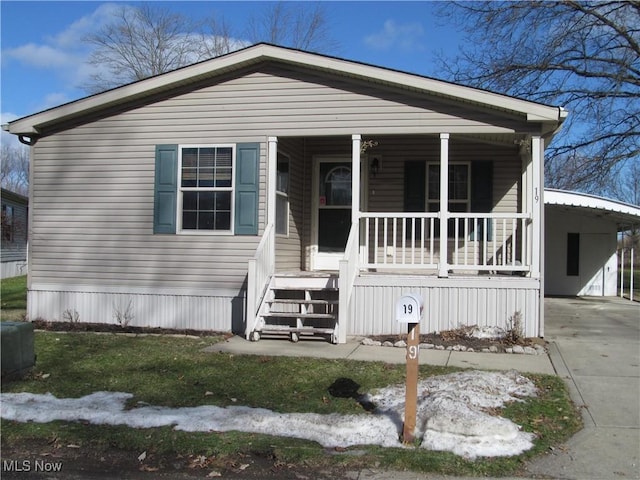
point(595, 348)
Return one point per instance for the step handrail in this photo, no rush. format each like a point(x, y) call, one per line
point(349, 267)
point(260, 271)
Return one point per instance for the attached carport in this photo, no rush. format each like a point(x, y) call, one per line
point(581, 242)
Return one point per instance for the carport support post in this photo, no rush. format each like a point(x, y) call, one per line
point(411, 393)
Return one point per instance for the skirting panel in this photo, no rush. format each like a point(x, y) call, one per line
point(213, 313)
point(13, 269)
point(445, 307)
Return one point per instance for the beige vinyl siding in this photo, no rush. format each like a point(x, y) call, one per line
point(93, 221)
point(93, 183)
point(289, 248)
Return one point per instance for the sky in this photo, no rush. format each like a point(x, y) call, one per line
point(43, 58)
point(455, 412)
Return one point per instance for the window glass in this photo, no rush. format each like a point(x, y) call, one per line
point(206, 188)
point(282, 195)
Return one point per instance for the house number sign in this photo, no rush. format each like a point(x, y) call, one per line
point(409, 311)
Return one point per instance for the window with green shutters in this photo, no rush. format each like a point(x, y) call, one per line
point(207, 189)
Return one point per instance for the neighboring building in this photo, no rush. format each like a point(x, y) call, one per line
point(15, 209)
point(581, 242)
point(274, 190)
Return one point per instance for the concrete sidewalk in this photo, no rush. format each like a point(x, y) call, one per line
point(595, 349)
point(354, 350)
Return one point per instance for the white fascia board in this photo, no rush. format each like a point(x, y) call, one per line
point(533, 111)
point(583, 200)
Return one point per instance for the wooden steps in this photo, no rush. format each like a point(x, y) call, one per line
point(299, 306)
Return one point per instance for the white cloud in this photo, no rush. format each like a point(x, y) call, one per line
point(73, 35)
point(42, 56)
point(64, 54)
point(393, 35)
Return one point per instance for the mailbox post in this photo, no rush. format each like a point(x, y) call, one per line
point(409, 311)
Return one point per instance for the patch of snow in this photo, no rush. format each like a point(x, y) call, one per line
point(451, 415)
point(493, 332)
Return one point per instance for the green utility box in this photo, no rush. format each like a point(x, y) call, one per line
point(18, 354)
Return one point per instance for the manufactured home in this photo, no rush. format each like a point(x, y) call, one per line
point(273, 190)
point(13, 243)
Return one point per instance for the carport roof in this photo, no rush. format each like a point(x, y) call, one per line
point(623, 214)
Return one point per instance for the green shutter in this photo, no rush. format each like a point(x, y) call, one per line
point(414, 191)
point(414, 186)
point(166, 187)
point(247, 188)
point(482, 193)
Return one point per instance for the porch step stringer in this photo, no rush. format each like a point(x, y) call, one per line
point(299, 306)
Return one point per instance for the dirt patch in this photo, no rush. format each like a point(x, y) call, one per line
point(463, 337)
point(42, 460)
point(115, 328)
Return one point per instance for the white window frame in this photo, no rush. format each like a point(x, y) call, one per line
point(283, 195)
point(467, 201)
point(182, 189)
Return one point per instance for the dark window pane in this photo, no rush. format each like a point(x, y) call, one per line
point(434, 182)
point(205, 220)
point(205, 177)
point(333, 229)
point(189, 176)
point(282, 214)
point(207, 157)
point(190, 201)
point(223, 221)
point(223, 177)
point(223, 201)
point(282, 183)
point(573, 254)
point(206, 201)
point(458, 182)
point(223, 157)
point(190, 157)
point(189, 220)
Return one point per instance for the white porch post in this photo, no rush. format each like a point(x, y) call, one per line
point(537, 221)
point(443, 270)
point(537, 205)
point(272, 165)
point(355, 177)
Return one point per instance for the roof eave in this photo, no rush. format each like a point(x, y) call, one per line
point(32, 125)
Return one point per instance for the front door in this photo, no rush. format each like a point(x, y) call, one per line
point(332, 212)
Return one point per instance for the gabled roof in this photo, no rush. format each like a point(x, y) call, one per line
point(624, 215)
point(32, 125)
point(13, 197)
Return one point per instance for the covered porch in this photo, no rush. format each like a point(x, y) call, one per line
point(367, 213)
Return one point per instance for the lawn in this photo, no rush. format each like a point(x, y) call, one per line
point(13, 295)
point(174, 371)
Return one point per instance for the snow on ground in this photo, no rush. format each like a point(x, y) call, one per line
point(451, 415)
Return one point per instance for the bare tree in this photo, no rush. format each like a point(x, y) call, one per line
point(14, 171)
point(303, 26)
point(147, 41)
point(583, 55)
point(140, 43)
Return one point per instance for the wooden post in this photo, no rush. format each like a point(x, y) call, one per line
point(411, 395)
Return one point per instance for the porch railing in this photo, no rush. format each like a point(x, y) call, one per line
point(399, 240)
point(348, 272)
point(261, 268)
point(476, 241)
